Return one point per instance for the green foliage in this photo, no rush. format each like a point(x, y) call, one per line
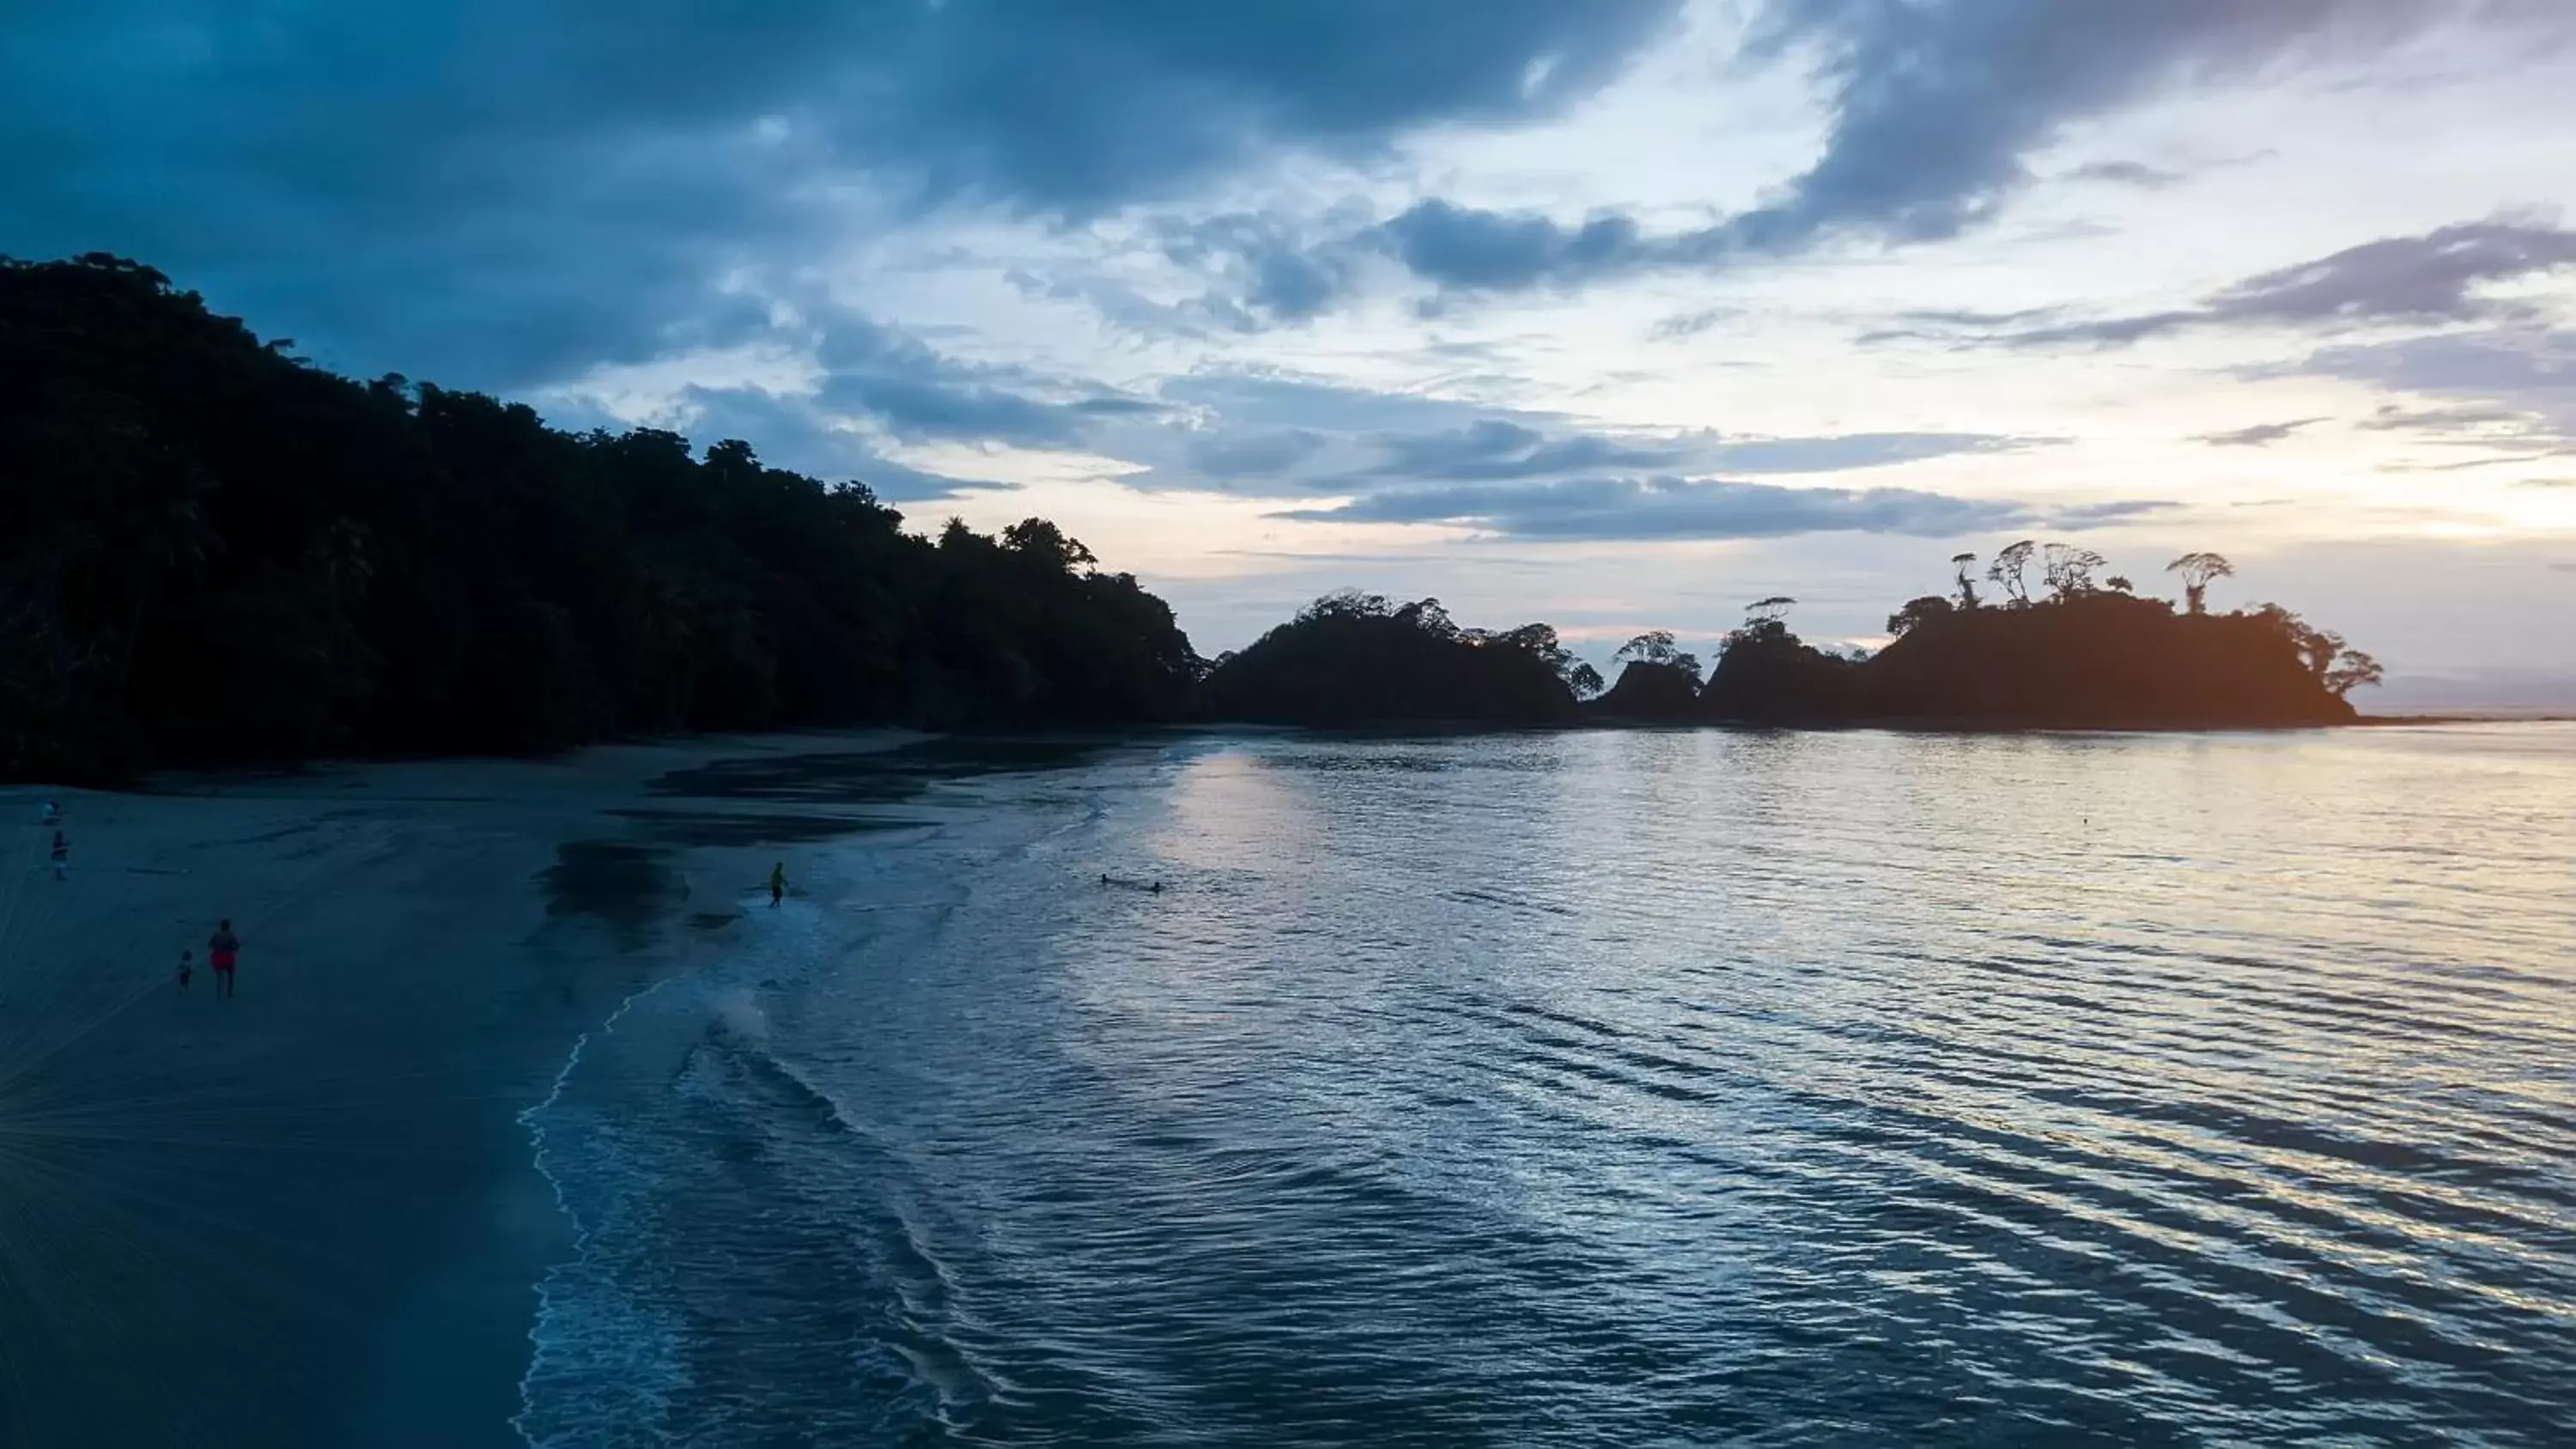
point(211, 551)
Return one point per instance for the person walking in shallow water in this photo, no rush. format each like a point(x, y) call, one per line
point(187, 968)
point(223, 951)
point(62, 857)
point(777, 883)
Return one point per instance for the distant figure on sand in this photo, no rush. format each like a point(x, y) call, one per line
point(62, 857)
point(187, 968)
point(777, 882)
point(223, 949)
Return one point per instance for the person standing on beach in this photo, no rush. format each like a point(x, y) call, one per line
point(62, 857)
point(223, 950)
point(777, 883)
point(187, 968)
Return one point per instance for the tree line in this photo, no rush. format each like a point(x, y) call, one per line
point(211, 551)
point(2072, 653)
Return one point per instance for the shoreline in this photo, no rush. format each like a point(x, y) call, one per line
point(323, 1197)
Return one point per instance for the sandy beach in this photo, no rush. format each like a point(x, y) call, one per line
point(309, 1214)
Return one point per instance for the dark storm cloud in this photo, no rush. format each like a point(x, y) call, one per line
point(2260, 435)
point(500, 195)
point(2431, 278)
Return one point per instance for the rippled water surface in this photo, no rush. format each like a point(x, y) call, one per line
point(1615, 1089)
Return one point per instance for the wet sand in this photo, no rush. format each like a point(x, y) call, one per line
point(308, 1215)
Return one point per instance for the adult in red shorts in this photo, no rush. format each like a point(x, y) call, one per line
point(223, 948)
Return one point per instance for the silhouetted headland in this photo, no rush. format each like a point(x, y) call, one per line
point(2078, 655)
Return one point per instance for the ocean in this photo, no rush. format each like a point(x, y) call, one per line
point(1609, 1088)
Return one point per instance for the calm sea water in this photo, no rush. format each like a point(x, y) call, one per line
point(1615, 1089)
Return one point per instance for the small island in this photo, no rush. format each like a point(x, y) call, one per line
point(213, 552)
point(2079, 654)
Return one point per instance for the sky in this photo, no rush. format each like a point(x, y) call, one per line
point(1618, 314)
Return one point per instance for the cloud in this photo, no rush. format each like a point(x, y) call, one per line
point(2459, 417)
point(1691, 324)
point(504, 195)
point(1499, 450)
point(1602, 509)
point(1476, 250)
point(2098, 515)
point(1938, 103)
point(1266, 268)
point(2258, 436)
point(1494, 449)
point(1935, 107)
point(1666, 507)
point(1840, 452)
point(2508, 393)
point(1259, 455)
point(2421, 279)
point(918, 393)
point(794, 433)
point(1253, 435)
point(2126, 173)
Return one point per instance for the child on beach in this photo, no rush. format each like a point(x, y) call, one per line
point(62, 855)
point(187, 968)
point(222, 951)
point(777, 882)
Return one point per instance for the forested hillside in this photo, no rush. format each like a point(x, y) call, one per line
point(211, 551)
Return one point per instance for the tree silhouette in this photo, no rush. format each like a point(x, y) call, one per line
point(1656, 646)
point(2009, 564)
point(2352, 669)
point(1962, 562)
point(2068, 570)
point(211, 551)
point(2197, 570)
point(1917, 613)
point(2119, 583)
